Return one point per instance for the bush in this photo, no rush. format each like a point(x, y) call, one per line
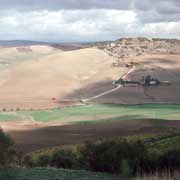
point(150, 162)
point(28, 161)
point(43, 160)
point(64, 159)
point(119, 156)
point(7, 152)
point(109, 156)
point(170, 159)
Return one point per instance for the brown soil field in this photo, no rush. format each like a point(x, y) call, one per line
point(34, 136)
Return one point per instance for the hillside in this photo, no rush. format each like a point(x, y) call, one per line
point(14, 43)
point(131, 47)
point(161, 67)
point(34, 130)
point(55, 76)
point(13, 55)
point(27, 43)
point(158, 58)
point(47, 77)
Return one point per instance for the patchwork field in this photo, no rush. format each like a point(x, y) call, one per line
point(96, 113)
point(34, 130)
point(43, 88)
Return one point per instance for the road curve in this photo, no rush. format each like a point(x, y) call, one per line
point(111, 90)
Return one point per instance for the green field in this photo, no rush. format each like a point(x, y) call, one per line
point(94, 113)
point(51, 174)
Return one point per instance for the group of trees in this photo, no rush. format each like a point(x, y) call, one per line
point(118, 156)
point(8, 155)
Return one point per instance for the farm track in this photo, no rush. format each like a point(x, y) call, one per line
point(112, 90)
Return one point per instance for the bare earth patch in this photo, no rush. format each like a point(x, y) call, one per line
point(31, 136)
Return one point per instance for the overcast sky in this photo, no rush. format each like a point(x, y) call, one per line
point(88, 20)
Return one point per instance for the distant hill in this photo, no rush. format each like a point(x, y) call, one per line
point(62, 46)
point(12, 43)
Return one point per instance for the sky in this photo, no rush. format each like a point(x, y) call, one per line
point(88, 20)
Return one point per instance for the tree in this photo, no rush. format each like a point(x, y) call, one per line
point(7, 152)
point(64, 159)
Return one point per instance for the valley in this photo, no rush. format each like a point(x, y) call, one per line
point(45, 91)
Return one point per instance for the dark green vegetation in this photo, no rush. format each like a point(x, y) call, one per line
point(96, 113)
point(7, 152)
point(122, 156)
point(125, 156)
point(51, 174)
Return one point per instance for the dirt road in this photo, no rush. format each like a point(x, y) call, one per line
point(111, 90)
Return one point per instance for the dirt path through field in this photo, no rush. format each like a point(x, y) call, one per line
point(111, 90)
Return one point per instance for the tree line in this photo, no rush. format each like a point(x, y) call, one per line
point(117, 156)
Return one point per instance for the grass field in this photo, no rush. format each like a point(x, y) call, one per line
point(94, 113)
point(51, 174)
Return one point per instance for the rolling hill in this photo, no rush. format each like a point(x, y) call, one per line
point(56, 76)
point(47, 76)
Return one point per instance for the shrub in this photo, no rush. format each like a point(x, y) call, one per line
point(120, 156)
point(7, 152)
point(28, 161)
point(109, 156)
point(170, 159)
point(43, 160)
point(64, 159)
